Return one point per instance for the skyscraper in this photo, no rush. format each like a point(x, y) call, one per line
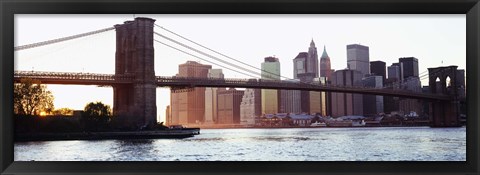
point(410, 66)
point(346, 103)
point(325, 67)
point(299, 64)
point(312, 59)
point(229, 106)
point(250, 107)
point(378, 68)
point(290, 100)
point(189, 107)
point(395, 72)
point(270, 71)
point(372, 104)
point(211, 97)
point(358, 58)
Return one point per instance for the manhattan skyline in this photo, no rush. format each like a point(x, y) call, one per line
point(445, 46)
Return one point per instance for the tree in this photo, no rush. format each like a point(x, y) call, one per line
point(63, 111)
point(31, 98)
point(96, 116)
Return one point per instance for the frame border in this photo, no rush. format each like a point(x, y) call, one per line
point(10, 7)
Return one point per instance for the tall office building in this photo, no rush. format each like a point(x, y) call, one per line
point(270, 98)
point(325, 67)
point(305, 95)
point(410, 66)
point(395, 72)
point(407, 105)
point(299, 64)
point(358, 58)
point(229, 106)
point(290, 100)
point(347, 103)
point(393, 81)
point(189, 107)
point(318, 100)
point(411, 82)
point(378, 68)
point(250, 107)
point(312, 59)
point(211, 97)
point(372, 104)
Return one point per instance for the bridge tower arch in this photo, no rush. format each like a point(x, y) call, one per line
point(134, 104)
point(444, 113)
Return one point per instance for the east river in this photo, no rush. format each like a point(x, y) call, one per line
point(293, 144)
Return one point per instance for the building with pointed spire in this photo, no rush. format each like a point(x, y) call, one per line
point(325, 67)
point(312, 59)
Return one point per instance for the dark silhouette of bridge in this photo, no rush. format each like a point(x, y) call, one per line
point(134, 82)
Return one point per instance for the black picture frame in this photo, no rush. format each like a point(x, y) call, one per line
point(10, 7)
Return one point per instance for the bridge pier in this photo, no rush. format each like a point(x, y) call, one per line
point(444, 113)
point(134, 104)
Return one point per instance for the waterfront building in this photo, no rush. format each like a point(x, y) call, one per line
point(188, 107)
point(325, 67)
point(346, 103)
point(250, 107)
point(372, 104)
point(409, 66)
point(211, 97)
point(358, 58)
point(378, 68)
point(312, 59)
point(270, 98)
point(229, 106)
point(285, 120)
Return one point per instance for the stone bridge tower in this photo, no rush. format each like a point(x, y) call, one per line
point(134, 104)
point(444, 113)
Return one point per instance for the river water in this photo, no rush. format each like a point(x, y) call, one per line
point(298, 144)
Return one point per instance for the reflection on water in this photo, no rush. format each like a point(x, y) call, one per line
point(299, 144)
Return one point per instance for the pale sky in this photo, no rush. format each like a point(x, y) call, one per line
point(432, 39)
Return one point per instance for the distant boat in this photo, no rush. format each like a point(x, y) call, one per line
point(318, 124)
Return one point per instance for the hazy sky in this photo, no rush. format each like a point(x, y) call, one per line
point(432, 39)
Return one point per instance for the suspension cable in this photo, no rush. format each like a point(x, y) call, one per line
point(39, 44)
point(208, 55)
point(270, 73)
point(203, 59)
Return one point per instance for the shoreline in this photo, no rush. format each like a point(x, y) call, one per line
point(160, 134)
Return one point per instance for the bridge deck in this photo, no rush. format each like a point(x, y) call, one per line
point(189, 82)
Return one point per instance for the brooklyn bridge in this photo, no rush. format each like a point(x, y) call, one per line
point(134, 81)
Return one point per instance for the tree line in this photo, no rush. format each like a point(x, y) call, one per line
point(32, 101)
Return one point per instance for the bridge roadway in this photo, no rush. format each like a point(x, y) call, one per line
point(70, 78)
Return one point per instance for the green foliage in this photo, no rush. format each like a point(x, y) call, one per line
point(96, 116)
point(31, 98)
